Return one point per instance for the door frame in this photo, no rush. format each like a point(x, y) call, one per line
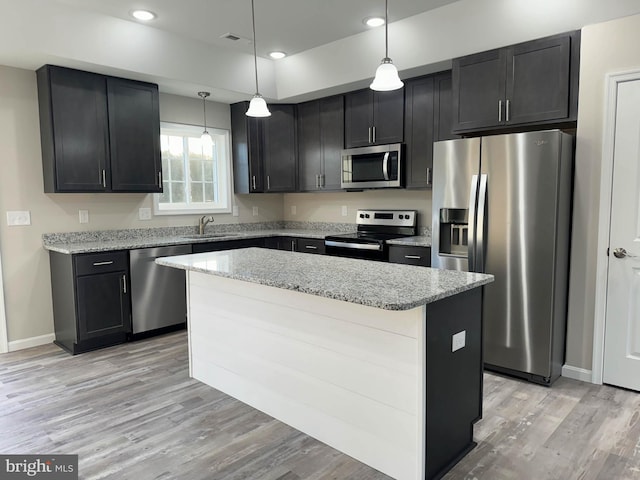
point(4, 344)
point(612, 80)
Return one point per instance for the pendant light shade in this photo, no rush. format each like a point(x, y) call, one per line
point(207, 141)
point(257, 106)
point(386, 78)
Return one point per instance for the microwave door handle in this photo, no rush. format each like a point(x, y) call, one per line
point(471, 225)
point(385, 166)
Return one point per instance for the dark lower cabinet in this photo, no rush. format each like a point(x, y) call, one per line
point(310, 245)
point(98, 133)
point(410, 255)
point(227, 245)
point(280, 243)
point(91, 300)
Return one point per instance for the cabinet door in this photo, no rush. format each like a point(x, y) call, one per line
point(74, 131)
point(358, 118)
point(443, 108)
point(332, 141)
point(309, 146)
point(310, 245)
point(388, 117)
point(280, 149)
point(479, 90)
point(103, 305)
point(538, 80)
point(134, 127)
point(419, 117)
point(246, 144)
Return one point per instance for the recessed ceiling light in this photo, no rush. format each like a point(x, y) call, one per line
point(277, 55)
point(144, 15)
point(373, 21)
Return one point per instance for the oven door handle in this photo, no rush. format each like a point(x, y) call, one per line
point(385, 166)
point(357, 246)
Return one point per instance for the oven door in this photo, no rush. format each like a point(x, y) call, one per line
point(372, 167)
point(355, 248)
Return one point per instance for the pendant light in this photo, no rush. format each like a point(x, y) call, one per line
point(257, 106)
point(387, 74)
point(207, 141)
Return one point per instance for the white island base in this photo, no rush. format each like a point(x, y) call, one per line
point(382, 386)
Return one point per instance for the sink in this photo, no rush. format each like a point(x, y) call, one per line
point(198, 236)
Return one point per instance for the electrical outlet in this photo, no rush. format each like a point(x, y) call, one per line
point(294, 210)
point(144, 213)
point(459, 340)
point(345, 211)
point(83, 216)
point(236, 211)
point(255, 211)
point(18, 218)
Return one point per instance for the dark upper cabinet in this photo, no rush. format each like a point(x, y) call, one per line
point(427, 119)
point(98, 134)
point(533, 83)
point(134, 131)
point(264, 150)
point(320, 142)
point(374, 118)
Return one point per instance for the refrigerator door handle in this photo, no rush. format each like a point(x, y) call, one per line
point(481, 224)
point(471, 225)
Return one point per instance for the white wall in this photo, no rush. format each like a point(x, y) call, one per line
point(27, 284)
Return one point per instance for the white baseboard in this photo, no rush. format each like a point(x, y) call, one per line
point(31, 342)
point(577, 373)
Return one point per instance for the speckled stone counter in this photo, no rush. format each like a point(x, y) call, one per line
point(375, 284)
point(417, 241)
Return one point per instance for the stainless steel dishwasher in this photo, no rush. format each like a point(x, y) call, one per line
point(158, 294)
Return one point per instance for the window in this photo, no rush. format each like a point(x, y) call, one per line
point(196, 178)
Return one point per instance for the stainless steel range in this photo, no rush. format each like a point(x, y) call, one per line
point(374, 227)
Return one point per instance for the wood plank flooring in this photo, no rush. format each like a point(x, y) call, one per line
point(132, 412)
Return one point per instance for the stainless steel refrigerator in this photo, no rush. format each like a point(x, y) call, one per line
point(502, 205)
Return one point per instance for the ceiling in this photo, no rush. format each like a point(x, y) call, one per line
point(291, 26)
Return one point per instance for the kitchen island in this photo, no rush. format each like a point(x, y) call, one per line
point(381, 361)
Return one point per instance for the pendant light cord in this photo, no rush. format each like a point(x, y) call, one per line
point(204, 112)
point(386, 28)
point(255, 55)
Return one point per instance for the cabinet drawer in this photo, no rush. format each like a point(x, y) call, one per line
point(95, 263)
point(310, 245)
point(420, 256)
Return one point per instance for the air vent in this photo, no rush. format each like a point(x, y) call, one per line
point(235, 38)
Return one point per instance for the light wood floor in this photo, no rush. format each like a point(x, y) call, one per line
point(132, 412)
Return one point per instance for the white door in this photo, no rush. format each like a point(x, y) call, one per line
point(622, 321)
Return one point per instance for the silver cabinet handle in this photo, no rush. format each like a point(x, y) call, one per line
point(99, 264)
point(160, 179)
point(104, 178)
point(374, 134)
point(293, 245)
point(124, 284)
point(268, 183)
point(621, 253)
point(370, 137)
point(508, 110)
point(322, 180)
point(310, 247)
point(429, 180)
point(253, 182)
point(317, 181)
point(499, 110)
point(413, 257)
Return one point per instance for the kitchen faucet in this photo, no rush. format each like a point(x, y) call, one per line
point(203, 223)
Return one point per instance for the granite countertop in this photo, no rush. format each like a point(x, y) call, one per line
point(417, 241)
point(108, 240)
point(388, 286)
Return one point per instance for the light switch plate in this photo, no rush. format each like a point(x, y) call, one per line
point(345, 210)
point(459, 340)
point(144, 213)
point(18, 218)
point(83, 216)
point(255, 211)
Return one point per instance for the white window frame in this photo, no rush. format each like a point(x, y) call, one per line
point(224, 184)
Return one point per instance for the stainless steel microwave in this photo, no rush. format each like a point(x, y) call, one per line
point(379, 166)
